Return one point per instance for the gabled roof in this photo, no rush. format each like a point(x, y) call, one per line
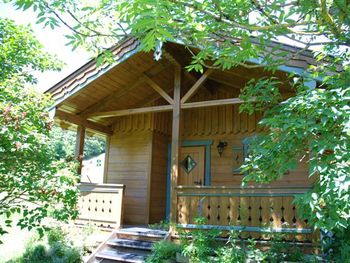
point(129, 82)
point(128, 47)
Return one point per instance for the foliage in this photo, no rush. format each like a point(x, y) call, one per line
point(162, 225)
point(63, 142)
point(233, 251)
point(163, 250)
point(59, 249)
point(199, 244)
point(237, 250)
point(337, 245)
point(21, 53)
point(32, 183)
point(312, 124)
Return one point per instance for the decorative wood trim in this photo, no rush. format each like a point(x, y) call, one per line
point(79, 146)
point(118, 113)
point(196, 85)
point(75, 119)
point(175, 143)
point(157, 88)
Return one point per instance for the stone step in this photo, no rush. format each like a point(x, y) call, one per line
point(119, 256)
point(140, 233)
point(127, 243)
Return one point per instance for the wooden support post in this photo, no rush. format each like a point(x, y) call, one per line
point(79, 146)
point(175, 144)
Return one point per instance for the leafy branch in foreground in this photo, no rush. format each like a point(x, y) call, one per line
point(32, 184)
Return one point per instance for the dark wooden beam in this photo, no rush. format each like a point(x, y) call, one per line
point(78, 120)
point(211, 103)
point(175, 143)
point(196, 85)
point(79, 146)
point(118, 113)
point(157, 88)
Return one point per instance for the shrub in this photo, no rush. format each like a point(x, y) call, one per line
point(163, 250)
point(233, 252)
point(55, 235)
point(35, 254)
point(337, 245)
point(58, 250)
point(199, 245)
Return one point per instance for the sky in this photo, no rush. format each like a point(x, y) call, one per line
point(53, 41)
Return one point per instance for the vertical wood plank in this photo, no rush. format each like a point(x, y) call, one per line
point(175, 143)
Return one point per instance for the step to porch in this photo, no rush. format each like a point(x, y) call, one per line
point(130, 245)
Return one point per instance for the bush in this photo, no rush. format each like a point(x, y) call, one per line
point(233, 252)
point(55, 235)
point(58, 250)
point(199, 245)
point(163, 250)
point(336, 245)
point(35, 254)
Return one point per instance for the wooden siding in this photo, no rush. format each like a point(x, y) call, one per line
point(158, 177)
point(129, 164)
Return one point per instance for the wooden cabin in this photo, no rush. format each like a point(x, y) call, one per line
point(176, 139)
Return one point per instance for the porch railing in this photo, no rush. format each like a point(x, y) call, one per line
point(255, 212)
point(101, 204)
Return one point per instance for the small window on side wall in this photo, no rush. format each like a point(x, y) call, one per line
point(240, 153)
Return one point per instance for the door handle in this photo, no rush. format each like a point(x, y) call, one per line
point(198, 182)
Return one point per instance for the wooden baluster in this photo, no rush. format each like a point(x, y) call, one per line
point(244, 214)
point(288, 214)
point(180, 218)
point(265, 214)
point(194, 208)
point(233, 208)
point(186, 207)
point(255, 215)
point(223, 211)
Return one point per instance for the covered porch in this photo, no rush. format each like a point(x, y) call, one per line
point(176, 141)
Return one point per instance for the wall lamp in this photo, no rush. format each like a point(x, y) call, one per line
point(221, 146)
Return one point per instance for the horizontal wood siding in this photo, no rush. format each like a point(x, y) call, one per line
point(129, 164)
point(158, 177)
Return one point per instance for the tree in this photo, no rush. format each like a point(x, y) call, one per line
point(63, 142)
point(314, 123)
point(32, 184)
